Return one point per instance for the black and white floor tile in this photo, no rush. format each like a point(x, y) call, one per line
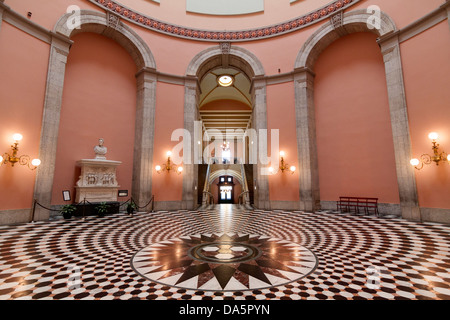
point(226, 253)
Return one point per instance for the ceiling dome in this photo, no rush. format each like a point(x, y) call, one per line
point(224, 7)
point(274, 19)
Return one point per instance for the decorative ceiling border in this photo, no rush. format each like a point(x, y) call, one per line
point(231, 36)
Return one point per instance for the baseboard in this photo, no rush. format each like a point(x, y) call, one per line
point(284, 205)
point(427, 214)
point(168, 205)
point(435, 215)
point(383, 208)
point(15, 216)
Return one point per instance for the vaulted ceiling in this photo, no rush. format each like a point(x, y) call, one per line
point(225, 108)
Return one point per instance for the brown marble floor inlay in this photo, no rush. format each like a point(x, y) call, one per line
point(224, 262)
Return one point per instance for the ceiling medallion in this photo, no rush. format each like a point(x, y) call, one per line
point(224, 262)
point(231, 36)
point(225, 80)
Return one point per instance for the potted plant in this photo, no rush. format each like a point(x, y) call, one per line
point(67, 211)
point(102, 208)
point(131, 207)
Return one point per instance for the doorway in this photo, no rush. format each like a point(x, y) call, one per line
point(226, 190)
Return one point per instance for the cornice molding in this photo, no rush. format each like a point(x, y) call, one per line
point(426, 22)
point(22, 23)
point(259, 33)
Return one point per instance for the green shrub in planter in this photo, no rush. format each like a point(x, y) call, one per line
point(102, 208)
point(131, 207)
point(67, 211)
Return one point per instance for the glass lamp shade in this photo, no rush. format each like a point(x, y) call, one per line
point(433, 135)
point(448, 158)
point(158, 168)
point(270, 170)
point(1, 159)
point(292, 168)
point(180, 169)
point(281, 153)
point(17, 137)
point(169, 153)
point(414, 162)
point(36, 162)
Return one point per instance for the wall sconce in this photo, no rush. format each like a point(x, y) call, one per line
point(168, 166)
point(283, 165)
point(22, 160)
point(437, 156)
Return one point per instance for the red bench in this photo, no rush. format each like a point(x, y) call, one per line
point(358, 204)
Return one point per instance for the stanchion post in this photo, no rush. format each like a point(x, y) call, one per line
point(152, 202)
point(84, 208)
point(33, 211)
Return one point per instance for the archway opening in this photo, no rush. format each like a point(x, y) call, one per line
point(226, 111)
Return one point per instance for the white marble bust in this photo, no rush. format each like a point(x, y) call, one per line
point(100, 150)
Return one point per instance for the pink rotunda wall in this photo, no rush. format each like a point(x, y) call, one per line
point(281, 117)
point(354, 135)
point(169, 117)
point(427, 76)
point(22, 90)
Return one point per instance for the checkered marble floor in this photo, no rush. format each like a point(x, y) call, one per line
point(358, 257)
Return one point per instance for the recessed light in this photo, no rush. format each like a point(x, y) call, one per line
point(225, 80)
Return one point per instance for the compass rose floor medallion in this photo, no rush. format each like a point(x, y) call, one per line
point(222, 262)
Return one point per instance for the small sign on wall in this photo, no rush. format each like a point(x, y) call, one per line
point(123, 193)
point(66, 195)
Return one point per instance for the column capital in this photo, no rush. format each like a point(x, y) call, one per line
point(303, 74)
point(147, 74)
point(61, 44)
point(191, 83)
point(258, 83)
point(304, 77)
point(389, 39)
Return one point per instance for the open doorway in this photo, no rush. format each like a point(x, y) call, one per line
point(226, 190)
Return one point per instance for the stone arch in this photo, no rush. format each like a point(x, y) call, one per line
point(340, 25)
point(224, 172)
point(351, 22)
point(110, 26)
point(228, 56)
point(238, 57)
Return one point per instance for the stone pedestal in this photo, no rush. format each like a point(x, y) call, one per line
point(97, 181)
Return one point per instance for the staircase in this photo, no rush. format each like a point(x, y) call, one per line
point(206, 199)
point(248, 170)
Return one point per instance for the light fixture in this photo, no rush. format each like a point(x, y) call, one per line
point(283, 165)
point(437, 157)
point(168, 166)
point(13, 158)
point(225, 146)
point(225, 80)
